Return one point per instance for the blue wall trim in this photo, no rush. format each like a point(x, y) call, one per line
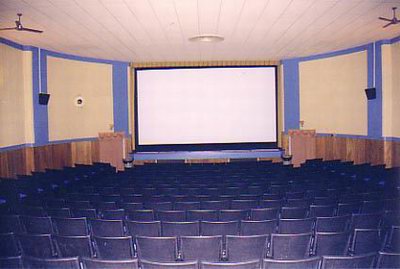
point(333, 53)
point(80, 58)
point(291, 95)
point(16, 45)
point(41, 124)
point(15, 147)
point(375, 106)
point(120, 97)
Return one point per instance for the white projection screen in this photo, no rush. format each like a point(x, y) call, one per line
point(206, 106)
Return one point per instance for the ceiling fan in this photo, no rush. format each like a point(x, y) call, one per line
point(391, 21)
point(20, 27)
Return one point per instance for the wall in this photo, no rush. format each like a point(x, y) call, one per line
point(68, 79)
point(391, 89)
point(332, 99)
point(327, 92)
point(34, 137)
point(16, 109)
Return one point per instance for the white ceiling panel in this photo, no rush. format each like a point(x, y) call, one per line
point(158, 30)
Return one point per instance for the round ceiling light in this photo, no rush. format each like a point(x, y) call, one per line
point(206, 38)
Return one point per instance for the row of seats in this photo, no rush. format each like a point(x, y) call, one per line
point(316, 204)
point(382, 260)
point(165, 214)
point(230, 248)
point(102, 227)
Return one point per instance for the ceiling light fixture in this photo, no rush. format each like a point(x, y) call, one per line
point(206, 38)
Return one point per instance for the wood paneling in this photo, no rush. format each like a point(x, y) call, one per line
point(56, 156)
point(357, 150)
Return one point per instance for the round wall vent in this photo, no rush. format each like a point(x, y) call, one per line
point(79, 101)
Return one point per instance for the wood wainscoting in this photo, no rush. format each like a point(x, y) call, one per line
point(53, 156)
point(357, 150)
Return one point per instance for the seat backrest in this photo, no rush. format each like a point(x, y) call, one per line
point(70, 263)
point(271, 203)
point(59, 212)
point(365, 241)
point(171, 215)
point(89, 263)
point(365, 221)
point(89, 213)
point(114, 248)
point(264, 213)
point(331, 243)
point(172, 265)
point(309, 263)
point(203, 214)
point(234, 265)
point(106, 228)
point(215, 205)
point(293, 212)
point(332, 224)
point(292, 226)
point(290, 246)
point(359, 261)
point(160, 249)
point(392, 240)
point(37, 245)
point(348, 208)
point(72, 246)
point(9, 245)
point(70, 226)
point(233, 214)
point(159, 206)
point(141, 215)
point(113, 214)
point(244, 204)
point(180, 228)
point(11, 223)
point(187, 205)
point(322, 210)
point(37, 225)
point(11, 262)
point(246, 248)
point(210, 246)
point(219, 227)
point(258, 227)
point(388, 260)
point(143, 228)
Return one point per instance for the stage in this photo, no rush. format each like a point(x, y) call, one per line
point(220, 154)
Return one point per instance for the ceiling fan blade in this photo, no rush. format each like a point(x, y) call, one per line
point(8, 28)
point(390, 23)
point(31, 30)
point(384, 19)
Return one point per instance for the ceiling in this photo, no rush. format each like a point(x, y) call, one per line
point(158, 30)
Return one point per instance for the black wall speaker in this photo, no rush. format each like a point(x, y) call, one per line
point(371, 93)
point(44, 98)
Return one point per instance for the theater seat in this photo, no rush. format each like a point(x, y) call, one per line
point(37, 245)
point(290, 246)
point(234, 265)
point(310, 263)
point(171, 265)
point(106, 228)
point(72, 246)
point(219, 227)
point(11, 262)
point(159, 249)
point(331, 243)
point(143, 228)
point(70, 263)
point(9, 245)
point(89, 263)
point(114, 248)
point(354, 262)
point(388, 260)
point(180, 228)
point(256, 227)
point(246, 248)
point(71, 226)
point(210, 246)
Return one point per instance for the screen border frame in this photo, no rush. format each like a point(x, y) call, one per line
point(203, 146)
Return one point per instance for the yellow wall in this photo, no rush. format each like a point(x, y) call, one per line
point(16, 105)
point(68, 79)
point(391, 90)
point(332, 98)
